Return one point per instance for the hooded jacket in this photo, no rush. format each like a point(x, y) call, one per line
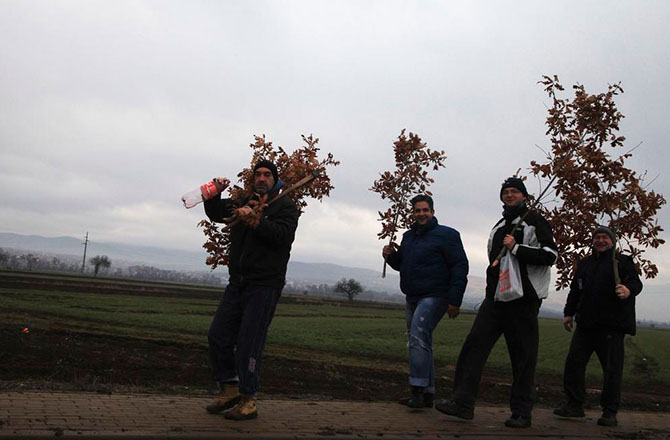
point(592, 299)
point(432, 262)
point(259, 256)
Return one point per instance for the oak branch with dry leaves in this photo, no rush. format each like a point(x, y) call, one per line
point(592, 186)
point(413, 160)
point(297, 170)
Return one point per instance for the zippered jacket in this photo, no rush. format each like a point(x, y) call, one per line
point(432, 263)
point(535, 250)
point(592, 299)
point(259, 256)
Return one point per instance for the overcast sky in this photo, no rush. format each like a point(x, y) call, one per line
point(110, 111)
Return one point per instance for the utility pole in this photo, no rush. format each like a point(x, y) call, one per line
point(85, 243)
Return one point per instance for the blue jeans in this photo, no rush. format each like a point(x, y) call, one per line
point(422, 317)
point(238, 332)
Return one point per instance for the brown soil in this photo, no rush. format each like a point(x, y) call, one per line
point(55, 359)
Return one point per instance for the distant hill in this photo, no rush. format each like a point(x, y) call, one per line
point(653, 304)
point(299, 273)
point(121, 254)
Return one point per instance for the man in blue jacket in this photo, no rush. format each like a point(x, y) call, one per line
point(433, 275)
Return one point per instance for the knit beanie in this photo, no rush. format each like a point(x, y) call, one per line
point(514, 182)
point(604, 230)
point(270, 166)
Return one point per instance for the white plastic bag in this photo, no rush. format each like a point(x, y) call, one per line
point(509, 281)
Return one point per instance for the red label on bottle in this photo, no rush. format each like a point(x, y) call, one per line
point(209, 190)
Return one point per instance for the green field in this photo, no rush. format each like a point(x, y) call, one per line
point(357, 336)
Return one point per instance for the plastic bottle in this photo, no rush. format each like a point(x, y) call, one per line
point(200, 194)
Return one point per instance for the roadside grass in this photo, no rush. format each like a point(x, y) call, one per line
point(348, 335)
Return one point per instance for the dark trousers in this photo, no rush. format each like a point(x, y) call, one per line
point(609, 348)
point(238, 332)
point(517, 321)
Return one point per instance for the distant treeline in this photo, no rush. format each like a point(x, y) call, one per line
point(41, 262)
point(14, 259)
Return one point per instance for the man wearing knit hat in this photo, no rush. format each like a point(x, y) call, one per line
point(259, 254)
point(532, 246)
point(605, 312)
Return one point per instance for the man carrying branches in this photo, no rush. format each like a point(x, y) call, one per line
point(433, 275)
point(260, 245)
point(526, 237)
point(605, 312)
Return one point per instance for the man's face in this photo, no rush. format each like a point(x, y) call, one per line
point(602, 242)
point(512, 196)
point(263, 180)
point(422, 213)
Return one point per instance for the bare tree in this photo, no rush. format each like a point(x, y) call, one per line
point(100, 261)
point(349, 288)
point(31, 260)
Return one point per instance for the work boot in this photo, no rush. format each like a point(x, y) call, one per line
point(416, 399)
point(452, 408)
point(608, 419)
point(569, 411)
point(228, 397)
point(428, 399)
point(518, 421)
point(244, 410)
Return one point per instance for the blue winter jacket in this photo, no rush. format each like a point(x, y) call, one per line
point(432, 263)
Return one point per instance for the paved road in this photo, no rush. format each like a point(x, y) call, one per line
point(145, 416)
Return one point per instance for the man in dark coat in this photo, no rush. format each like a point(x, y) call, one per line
point(605, 312)
point(259, 254)
point(532, 246)
point(433, 275)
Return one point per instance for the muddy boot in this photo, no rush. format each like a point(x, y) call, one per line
point(428, 399)
point(228, 397)
point(570, 411)
point(518, 421)
point(452, 408)
point(244, 410)
point(416, 399)
point(608, 419)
